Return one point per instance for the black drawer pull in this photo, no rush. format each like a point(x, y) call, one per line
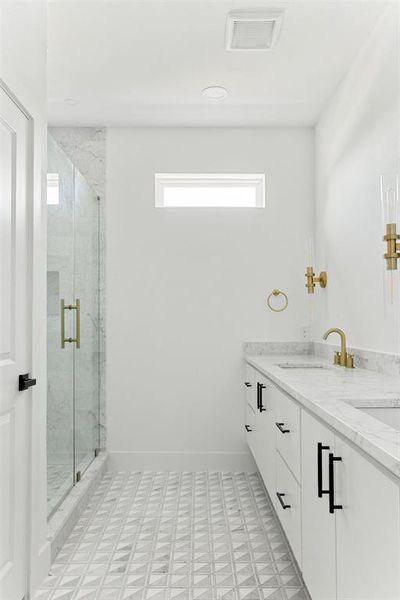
point(248, 428)
point(258, 396)
point(281, 427)
point(247, 384)
point(332, 505)
point(261, 407)
point(321, 491)
point(281, 502)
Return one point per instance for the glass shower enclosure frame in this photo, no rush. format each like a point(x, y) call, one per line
point(73, 368)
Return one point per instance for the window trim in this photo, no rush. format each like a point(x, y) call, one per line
point(164, 180)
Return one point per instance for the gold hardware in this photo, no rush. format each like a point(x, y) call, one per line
point(341, 358)
point(393, 247)
point(312, 279)
point(275, 293)
point(77, 308)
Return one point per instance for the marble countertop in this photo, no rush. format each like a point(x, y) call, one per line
point(334, 393)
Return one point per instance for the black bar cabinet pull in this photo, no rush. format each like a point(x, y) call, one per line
point(261, 407)
point(258, 396)
point(25, 382)
point(248, 428)
point(321, 491)
point(332, 505)
point(281, 427)
point(281, 502)
point(247, 384)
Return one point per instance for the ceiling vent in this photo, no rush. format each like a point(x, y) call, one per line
point(253, 30)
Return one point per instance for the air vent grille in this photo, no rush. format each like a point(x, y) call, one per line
point(253, 30)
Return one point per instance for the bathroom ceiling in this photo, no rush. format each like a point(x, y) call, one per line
point(122, 63)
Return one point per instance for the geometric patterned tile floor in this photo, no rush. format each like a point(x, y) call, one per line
point(176, 536)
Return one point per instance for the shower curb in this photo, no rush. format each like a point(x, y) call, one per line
point(66, 516)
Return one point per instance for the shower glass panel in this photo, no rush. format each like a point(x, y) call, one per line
point(87, 356)
point(72, 319)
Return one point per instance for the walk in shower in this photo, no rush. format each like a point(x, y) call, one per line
point(73, 368)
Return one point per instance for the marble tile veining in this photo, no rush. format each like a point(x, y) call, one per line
point(176, 536)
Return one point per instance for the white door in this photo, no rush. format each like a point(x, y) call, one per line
point(15, 343)
point(318, 524)
point(367, 528)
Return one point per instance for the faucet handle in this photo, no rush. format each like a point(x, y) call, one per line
point(336, 358)
point(350, 361)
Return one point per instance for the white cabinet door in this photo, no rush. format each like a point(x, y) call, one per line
point(367, 528)
point(318, 525)
point(15, 341)
point(265, 432)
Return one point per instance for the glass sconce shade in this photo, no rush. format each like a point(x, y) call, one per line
point(390, 194)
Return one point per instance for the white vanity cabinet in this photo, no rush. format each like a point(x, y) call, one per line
point(350, 520)
point(340, 509)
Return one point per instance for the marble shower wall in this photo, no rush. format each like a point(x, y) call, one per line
point(86, 148)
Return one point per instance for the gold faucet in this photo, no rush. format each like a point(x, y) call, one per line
point(341, 358)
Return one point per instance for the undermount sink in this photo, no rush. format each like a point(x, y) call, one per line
point(289, 365)
point(387, 415)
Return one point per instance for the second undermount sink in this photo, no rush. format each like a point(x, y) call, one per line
point(293, 365)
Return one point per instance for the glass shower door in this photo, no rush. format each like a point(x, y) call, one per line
point(87, 355)
point(72, 320)
point(60, 284)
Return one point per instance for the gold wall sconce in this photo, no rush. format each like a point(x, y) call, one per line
point(392, 253)
point(312, 280)
point(390, 194)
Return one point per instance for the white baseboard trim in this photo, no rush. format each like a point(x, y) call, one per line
point(181, 461)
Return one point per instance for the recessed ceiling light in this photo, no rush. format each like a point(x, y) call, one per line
point(71, 101)
point(216, 92)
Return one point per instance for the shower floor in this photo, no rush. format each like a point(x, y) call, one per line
point(176, 536)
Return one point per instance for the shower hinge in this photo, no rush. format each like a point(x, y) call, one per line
point(78, 476)
point(96, 452)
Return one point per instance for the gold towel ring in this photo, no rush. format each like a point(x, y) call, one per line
point(277, 292)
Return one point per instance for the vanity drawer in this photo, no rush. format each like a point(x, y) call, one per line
point(287, 419)
point(250, 386)
point(250, 427)
point(288, 505)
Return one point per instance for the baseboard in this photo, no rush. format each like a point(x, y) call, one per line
point(181, 461)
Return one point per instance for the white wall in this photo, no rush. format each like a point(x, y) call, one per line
point(185, 288)
point(23, 70)
point(357, 139)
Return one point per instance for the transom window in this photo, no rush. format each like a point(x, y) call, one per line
point(187, 190)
